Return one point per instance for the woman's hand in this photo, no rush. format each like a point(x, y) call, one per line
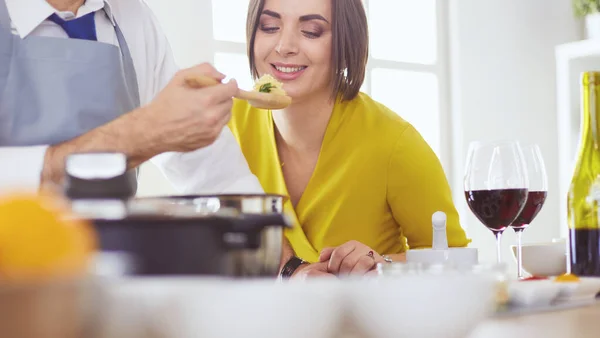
point(351, 258)
point(314, 270)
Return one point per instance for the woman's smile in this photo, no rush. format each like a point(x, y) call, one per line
point(287, 72)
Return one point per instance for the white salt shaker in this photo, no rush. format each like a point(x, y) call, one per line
point(440, 240)
point(439, 252)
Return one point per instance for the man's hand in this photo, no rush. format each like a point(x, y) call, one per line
point(179, 119)
point(184, 119)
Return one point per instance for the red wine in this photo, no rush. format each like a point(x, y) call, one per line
point(496, 209)
point(535, 201)
point(585, 252)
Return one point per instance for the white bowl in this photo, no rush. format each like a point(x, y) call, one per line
point(449, 305)
point(544, 259)
point(211, 308)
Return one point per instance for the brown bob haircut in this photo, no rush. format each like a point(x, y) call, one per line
point(349, 48)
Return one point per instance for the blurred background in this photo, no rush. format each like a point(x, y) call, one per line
point(465, 70)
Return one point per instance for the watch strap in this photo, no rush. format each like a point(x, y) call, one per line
point(290, 267)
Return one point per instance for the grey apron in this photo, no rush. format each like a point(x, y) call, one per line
point(55, 89)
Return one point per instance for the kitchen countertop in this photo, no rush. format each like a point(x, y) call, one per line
point(581, 322)
point(578, 321)
point(136, 311)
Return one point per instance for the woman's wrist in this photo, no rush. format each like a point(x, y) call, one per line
point(293, 265)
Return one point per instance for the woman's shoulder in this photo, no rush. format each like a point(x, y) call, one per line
point(373, 117)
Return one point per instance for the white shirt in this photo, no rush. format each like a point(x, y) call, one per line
point(219, 168)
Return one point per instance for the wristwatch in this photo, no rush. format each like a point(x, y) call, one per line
point(290, 267)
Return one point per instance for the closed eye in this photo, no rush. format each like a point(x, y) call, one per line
point(311, 35)
point(269, 29)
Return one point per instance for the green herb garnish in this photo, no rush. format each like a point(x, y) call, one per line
point(266, 88)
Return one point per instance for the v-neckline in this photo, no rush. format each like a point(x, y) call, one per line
point(332, 124)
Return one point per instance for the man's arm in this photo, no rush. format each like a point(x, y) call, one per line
point(179, 119)
point(125, 135)
point(216, 169)
point(28, 168)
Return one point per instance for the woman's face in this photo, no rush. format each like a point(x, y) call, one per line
point(293, 43)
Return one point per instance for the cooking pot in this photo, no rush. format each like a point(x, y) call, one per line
point(221, 235)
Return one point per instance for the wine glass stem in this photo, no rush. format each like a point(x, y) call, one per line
point(519, 233)
point(498, 235)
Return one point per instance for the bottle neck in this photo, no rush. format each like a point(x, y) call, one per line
point(591, 115)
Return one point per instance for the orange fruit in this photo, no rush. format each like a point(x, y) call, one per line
point(39, 238)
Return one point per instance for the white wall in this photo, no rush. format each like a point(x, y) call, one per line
point(503, 86)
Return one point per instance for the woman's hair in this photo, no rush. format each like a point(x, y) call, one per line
point(349, 48)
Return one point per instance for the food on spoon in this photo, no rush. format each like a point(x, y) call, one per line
point(268, 84)
point(39, 240)
point(567, 278)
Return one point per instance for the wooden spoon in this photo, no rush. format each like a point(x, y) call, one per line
point(256, 99)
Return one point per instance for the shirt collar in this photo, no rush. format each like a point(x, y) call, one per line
point(109, 11)
point(26, 15)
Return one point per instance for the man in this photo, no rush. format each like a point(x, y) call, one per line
point(95, 75)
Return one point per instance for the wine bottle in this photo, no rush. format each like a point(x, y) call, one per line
point(584, 193)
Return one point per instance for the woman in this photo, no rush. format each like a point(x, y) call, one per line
point(362, 182)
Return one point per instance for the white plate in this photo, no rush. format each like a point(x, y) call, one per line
point(556, 306)
point(547, 295)
point(533, 293)
point(585, 289)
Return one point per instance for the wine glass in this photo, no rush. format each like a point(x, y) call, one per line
point(536, 196)
point(496, 185)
